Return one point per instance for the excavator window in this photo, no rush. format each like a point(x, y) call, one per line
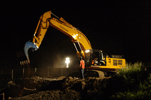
point(88, 59)
point(95, 58)
point(119, 62)
point(98, 58)
point(102, 59)
point(114, 62)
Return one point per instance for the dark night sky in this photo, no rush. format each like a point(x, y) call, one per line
point(116, 27)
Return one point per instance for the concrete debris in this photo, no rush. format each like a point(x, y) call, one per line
point(11, 83)
point(70, 78)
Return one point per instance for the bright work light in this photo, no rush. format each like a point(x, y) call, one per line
point(67, 61)
point(86, 51)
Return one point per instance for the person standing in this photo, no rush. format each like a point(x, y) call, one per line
point(82, 65)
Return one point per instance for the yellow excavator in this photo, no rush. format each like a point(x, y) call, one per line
point(95, 60)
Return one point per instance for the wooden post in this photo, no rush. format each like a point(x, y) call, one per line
point(35, 70)
point(23, 72)
point(3, 96)
point(28, 71)
point(12, 74)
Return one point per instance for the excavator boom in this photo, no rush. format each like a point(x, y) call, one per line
point(49, 19)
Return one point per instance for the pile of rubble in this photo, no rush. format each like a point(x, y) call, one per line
point(49, 89)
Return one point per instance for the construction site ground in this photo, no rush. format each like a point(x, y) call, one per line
point(59, 88)
point(73, 88)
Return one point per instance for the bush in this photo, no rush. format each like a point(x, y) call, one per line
point(137, 82)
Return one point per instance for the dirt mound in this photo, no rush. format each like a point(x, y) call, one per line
point(67, 94)
point(60, 88)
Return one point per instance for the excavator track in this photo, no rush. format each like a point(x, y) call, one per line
point(94, 73)
point(99, 73)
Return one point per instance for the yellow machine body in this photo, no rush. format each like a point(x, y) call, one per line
point(111, 63)
point(49, 19)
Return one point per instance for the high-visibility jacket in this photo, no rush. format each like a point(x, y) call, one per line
point(82, 64)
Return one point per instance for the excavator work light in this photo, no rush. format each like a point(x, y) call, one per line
point(86, 51)
point(75, 36)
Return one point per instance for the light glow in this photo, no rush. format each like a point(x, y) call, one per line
point(86, 51)
point(67, 61)
point(75, 36)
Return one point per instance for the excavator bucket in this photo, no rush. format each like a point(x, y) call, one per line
point(27, 46)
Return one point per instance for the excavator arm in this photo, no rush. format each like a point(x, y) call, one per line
point(49, 19)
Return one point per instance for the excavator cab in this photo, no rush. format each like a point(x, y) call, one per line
point(95, 57)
